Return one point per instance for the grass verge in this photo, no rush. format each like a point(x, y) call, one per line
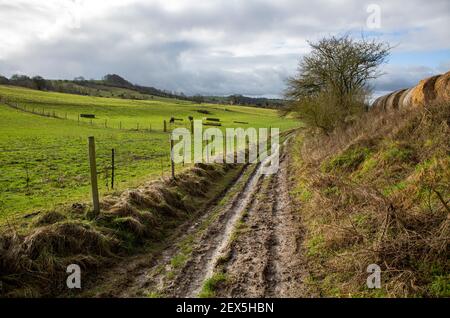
point(378, 193)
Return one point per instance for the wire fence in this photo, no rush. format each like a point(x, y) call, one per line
point(42, 177)
point(33, 171)
point(31, 176)
point(90, 120)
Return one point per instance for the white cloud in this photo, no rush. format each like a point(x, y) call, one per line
point(209, 47)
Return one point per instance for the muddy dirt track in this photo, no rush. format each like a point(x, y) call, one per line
point(265, 258)
point(252, 237)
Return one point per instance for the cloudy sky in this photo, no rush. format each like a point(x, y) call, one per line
point(216, 46)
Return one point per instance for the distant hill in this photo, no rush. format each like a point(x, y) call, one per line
point(116, 80)
point(113, 85)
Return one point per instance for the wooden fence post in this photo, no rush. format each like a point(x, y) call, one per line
point(270, 139)
point(94, 185)
point(112, 168)
point(172, 163)
point(165, 126)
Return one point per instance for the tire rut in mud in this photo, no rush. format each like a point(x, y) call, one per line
point(200, 266)
point(147, 274)
point(265, 260)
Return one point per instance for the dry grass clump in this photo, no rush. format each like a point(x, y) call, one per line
point(379, 193)
point(67, 238)
point(50, 218)
point(37, 262)
point(33, 263)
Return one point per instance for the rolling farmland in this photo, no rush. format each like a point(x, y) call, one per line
point(43, 159)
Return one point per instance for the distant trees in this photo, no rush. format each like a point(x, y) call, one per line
point(35, 82)
point(331, 85)
point(254, 101)
point(22, 80)
point(40, 82)
point(3, 80)
point(198, 99)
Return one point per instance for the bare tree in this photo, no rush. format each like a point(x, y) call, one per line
point(335, 72)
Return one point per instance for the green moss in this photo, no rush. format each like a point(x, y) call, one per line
point(155, 295)
point(239, 228)
point(367, 166)
point(315, 245)
point(170, 275)
point(333, 190)
point(440, 286)
point(348, 160)
point(439, 279)
point(428, 143)
point(397, 153)
point(393, 188)
point(329, 286)
point(210, 286)
point(360, 219)
point(178, 260)
point(301, 192)
point(373, 293)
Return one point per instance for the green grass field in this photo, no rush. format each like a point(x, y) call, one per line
point(44, 162)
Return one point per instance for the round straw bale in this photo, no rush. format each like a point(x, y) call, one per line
point(424, 92)
point(405, 99)
point(383, 101)
point(393, 99)
point(388, 98)
point(442, 87)
point(376, 104)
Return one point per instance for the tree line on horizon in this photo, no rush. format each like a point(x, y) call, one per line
point(81, 86)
